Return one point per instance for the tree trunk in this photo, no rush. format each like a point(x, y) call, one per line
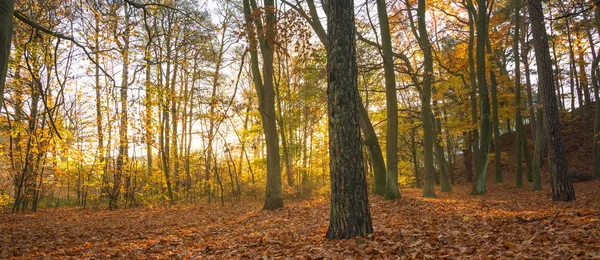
point(148, 115)
point(6, 27)
point(525, 58)
point(266, 97)
point(349, 215)
point(484, 104)
point(372, 143)
point(562, 188)
point(596, 83)
point(426, 112)
point(391, 147)
point(123, 142)
point(439, 152)
point(284, 139)
point(537, 175)
point(415, 160)
point(518, 119)
point(474, 141)
point(583, 79)
point(496, 129)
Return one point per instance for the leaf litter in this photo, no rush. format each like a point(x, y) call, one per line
point(505, 223)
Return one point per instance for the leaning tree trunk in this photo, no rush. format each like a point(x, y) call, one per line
point(562, 188)
point(349, 215)
point(6, 28)
point(391, 148)
point(372, 143)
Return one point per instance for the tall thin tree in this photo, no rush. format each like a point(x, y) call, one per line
point(391, 148)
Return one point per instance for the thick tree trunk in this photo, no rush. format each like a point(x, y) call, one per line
point(6, 27)
point(391, 147)
point(349, 215)
point(562, 188)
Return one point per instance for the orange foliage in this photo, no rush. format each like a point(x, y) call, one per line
point(505, 223)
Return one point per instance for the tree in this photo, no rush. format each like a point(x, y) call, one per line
point(6, 28)
point(562, 188)
point(391, 191)
point(484, 103)
point(426, 114)
point(518, 119)
point(123, 141)
point(596, 83)
point(349, 213)
point(266, 94)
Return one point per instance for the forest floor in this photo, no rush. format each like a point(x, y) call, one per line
point(505, 223)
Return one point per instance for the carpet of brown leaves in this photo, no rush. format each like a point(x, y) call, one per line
point(505, 223)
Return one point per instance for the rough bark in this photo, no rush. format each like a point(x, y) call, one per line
point(562, 188)
point(6, 27)
point(349, 215)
